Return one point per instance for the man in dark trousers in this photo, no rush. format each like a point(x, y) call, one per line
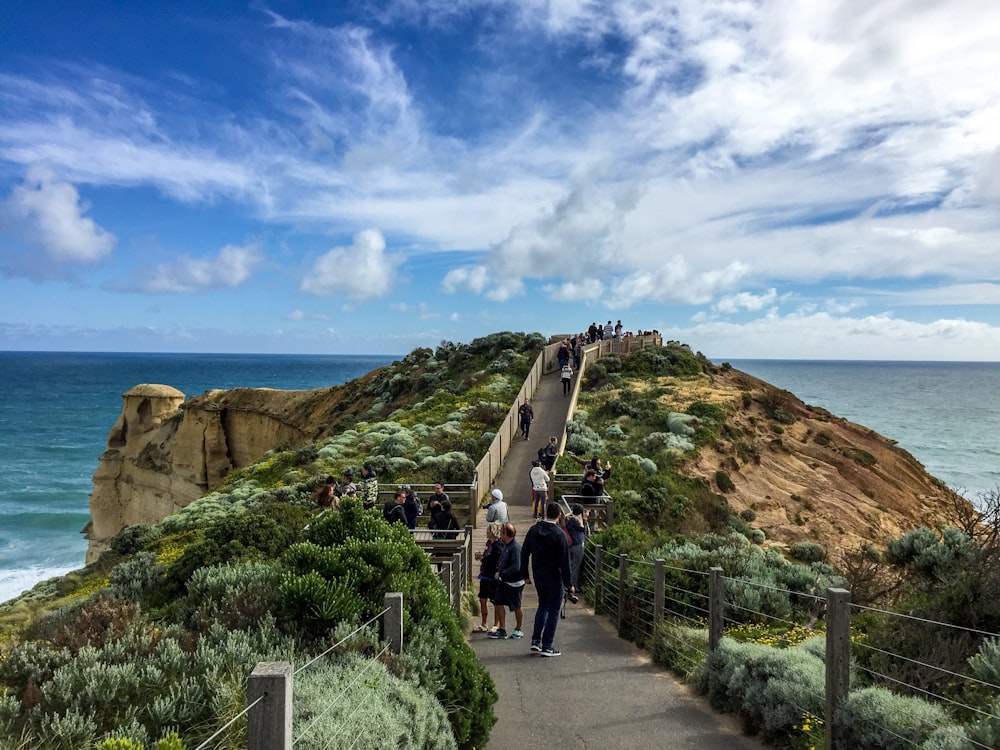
point(545, 546)
point(525, 416)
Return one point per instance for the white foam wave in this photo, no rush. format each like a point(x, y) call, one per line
point(16, 582)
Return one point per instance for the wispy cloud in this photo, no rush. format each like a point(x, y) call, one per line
point(702, 153)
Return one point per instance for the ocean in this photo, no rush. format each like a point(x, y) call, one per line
point(59, 408)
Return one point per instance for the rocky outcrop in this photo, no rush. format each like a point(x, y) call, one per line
point(165, 451)
point(800, 473)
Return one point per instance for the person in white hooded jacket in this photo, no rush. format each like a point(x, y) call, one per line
point(496, 511)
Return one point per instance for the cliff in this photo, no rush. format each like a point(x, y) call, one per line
point(800, 473)
point(164, 450)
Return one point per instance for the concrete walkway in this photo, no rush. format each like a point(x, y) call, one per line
point(603, 692)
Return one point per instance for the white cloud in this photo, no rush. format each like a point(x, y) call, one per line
point(302, 315)
point(472, 279)
point(746, 301)
point(231, 267)
point(826, 336)
point(585, 290)
point(46, 213)
point(360, 271)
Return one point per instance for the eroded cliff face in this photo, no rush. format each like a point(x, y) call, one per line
point(165, 451)
point(817, 477)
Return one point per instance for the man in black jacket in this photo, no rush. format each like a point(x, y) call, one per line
point(545, 546)
point(393, 511)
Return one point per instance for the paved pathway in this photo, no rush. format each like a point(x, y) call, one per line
point(603, 692)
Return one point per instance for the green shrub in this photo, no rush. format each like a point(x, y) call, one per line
point(877, 719)
point(769, 688)
point(375, 710)
point(808, 552)
point(724, 481)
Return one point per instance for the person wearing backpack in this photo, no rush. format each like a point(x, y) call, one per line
point(393, 511)
point(549, 453)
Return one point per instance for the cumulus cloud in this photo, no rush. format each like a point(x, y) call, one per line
point(672, 158)
point(231, 267)
point(362, 270)
point(46, 214)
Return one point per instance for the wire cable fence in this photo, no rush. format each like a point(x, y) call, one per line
point(669, 608)
point(270, 690)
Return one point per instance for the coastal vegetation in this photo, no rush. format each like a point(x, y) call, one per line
point(150, 646)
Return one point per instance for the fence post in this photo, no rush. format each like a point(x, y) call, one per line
point(269, 721)
point(468, 555)
point(610, 512)
point(392, 621)
point(457, 582)
point(716, 607)
point(659, 590)
point(598, 570)
point(622, 578)
point(838, 659)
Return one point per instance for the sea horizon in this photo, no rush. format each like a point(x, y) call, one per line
point(717, 360)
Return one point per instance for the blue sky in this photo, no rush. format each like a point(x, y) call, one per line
point(809, 179)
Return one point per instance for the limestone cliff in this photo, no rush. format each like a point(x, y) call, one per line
point(165, 451)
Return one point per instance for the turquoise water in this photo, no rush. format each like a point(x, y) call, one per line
point(59, 407)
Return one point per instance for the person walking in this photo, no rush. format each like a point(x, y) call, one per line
point(566, 376)
point(546, 551)
point(576, 530)
point(510, 584)
point(539, 489)
point(525, 416)
point(488, 560)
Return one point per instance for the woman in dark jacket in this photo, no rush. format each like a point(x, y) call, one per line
point(577, 533)
point(411, 507)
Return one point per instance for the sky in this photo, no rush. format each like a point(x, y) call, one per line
point(817, 179)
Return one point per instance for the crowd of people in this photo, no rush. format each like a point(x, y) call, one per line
point(549, 558)
point(405, 506)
